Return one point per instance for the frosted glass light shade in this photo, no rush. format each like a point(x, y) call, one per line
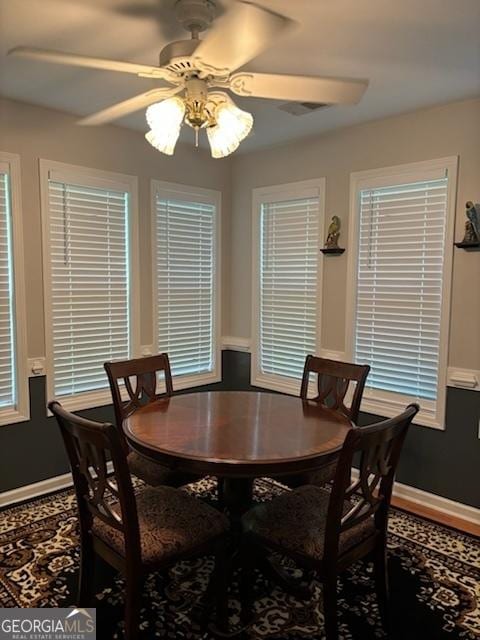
point(233, 125)
point(166, 114)
point(165, 119)
point(164, 140)
point(222, 142)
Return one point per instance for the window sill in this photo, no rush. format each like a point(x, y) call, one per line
point(103, 397)
point(12, 416)
point(274, 383)
point(389, 408)
point(87, 400)
point(189, 382)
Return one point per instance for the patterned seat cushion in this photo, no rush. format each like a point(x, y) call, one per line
point(171, 523)
point(155, 474)
point(295, 521)
point(319, 477)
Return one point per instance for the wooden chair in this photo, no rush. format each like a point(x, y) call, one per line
point(328, 531)
point(144, 390)
point(136, 534)
point(334, 379)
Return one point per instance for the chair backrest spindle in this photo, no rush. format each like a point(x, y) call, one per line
point(333, 381)
point(378, 447)
point(144, 388)
point(89, 444)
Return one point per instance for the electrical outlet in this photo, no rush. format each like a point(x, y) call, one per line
point(36, 367)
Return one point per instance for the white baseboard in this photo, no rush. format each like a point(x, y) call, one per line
point(433, 501)
point(36, 489)
point(44, 487)
point(437, 503)
point(417, 496)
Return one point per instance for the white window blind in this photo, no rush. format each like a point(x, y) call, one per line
point(89, 280)
point(288, 285)
point(185, 239)
point(399, 285)
point(7, 331)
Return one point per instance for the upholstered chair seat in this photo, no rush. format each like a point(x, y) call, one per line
point(325, 531)
point(296, 522)
point(171, 523)
point(137, 533)
point(155, 474)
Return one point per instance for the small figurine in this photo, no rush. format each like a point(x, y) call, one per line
point(333, 233)
point(472, 224)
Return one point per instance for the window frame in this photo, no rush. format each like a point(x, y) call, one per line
point(100, 179)
point(376, 401)
point(275, 193)
point(179, 191)
point(21, 411)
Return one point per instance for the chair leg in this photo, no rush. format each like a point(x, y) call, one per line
point(86, 584)
point(330, 606)
point(132, 603)
point(381, 583)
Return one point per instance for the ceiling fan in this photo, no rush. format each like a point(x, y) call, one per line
point(195, 74)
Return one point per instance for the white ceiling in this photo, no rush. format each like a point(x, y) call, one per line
point(415, 52)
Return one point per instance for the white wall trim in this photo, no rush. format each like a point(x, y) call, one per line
point(275, 193)
point(29, 491)
point(233, 343)
point(432, 413)
point(175, 191)
point(49, 169)
point(42, 488)
point(437, 503)
point(21, 411)
point(433, 501)
point(463, 378)
point(417, 496)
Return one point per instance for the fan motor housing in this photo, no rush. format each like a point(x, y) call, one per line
point(176, 56)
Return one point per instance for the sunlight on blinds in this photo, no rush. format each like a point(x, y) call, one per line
point(185, 264)
point(7, 351)
point(288, 284)
point(399, 285)
point(90, 284)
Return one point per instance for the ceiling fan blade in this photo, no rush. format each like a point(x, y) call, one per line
point(61, 57)
point(298, 88)
point(129, 106)
point(238, 36)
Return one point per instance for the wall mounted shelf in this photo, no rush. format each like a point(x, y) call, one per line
point(332, 250)
point(468, 246)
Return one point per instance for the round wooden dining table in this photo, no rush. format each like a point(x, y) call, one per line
point(237, 436)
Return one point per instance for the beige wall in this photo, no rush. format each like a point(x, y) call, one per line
point(35, 132)
point(447, 130)
point(453, 129)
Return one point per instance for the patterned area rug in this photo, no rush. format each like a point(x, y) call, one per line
point(434, 572)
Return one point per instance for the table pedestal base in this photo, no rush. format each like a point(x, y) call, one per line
point(236, 495)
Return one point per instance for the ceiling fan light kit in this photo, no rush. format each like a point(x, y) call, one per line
point(195, 69)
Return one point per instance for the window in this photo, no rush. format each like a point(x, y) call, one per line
point(14, 403)
point(187, 281)
point(401, 238)
point(89, 233)
point(286, 282)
